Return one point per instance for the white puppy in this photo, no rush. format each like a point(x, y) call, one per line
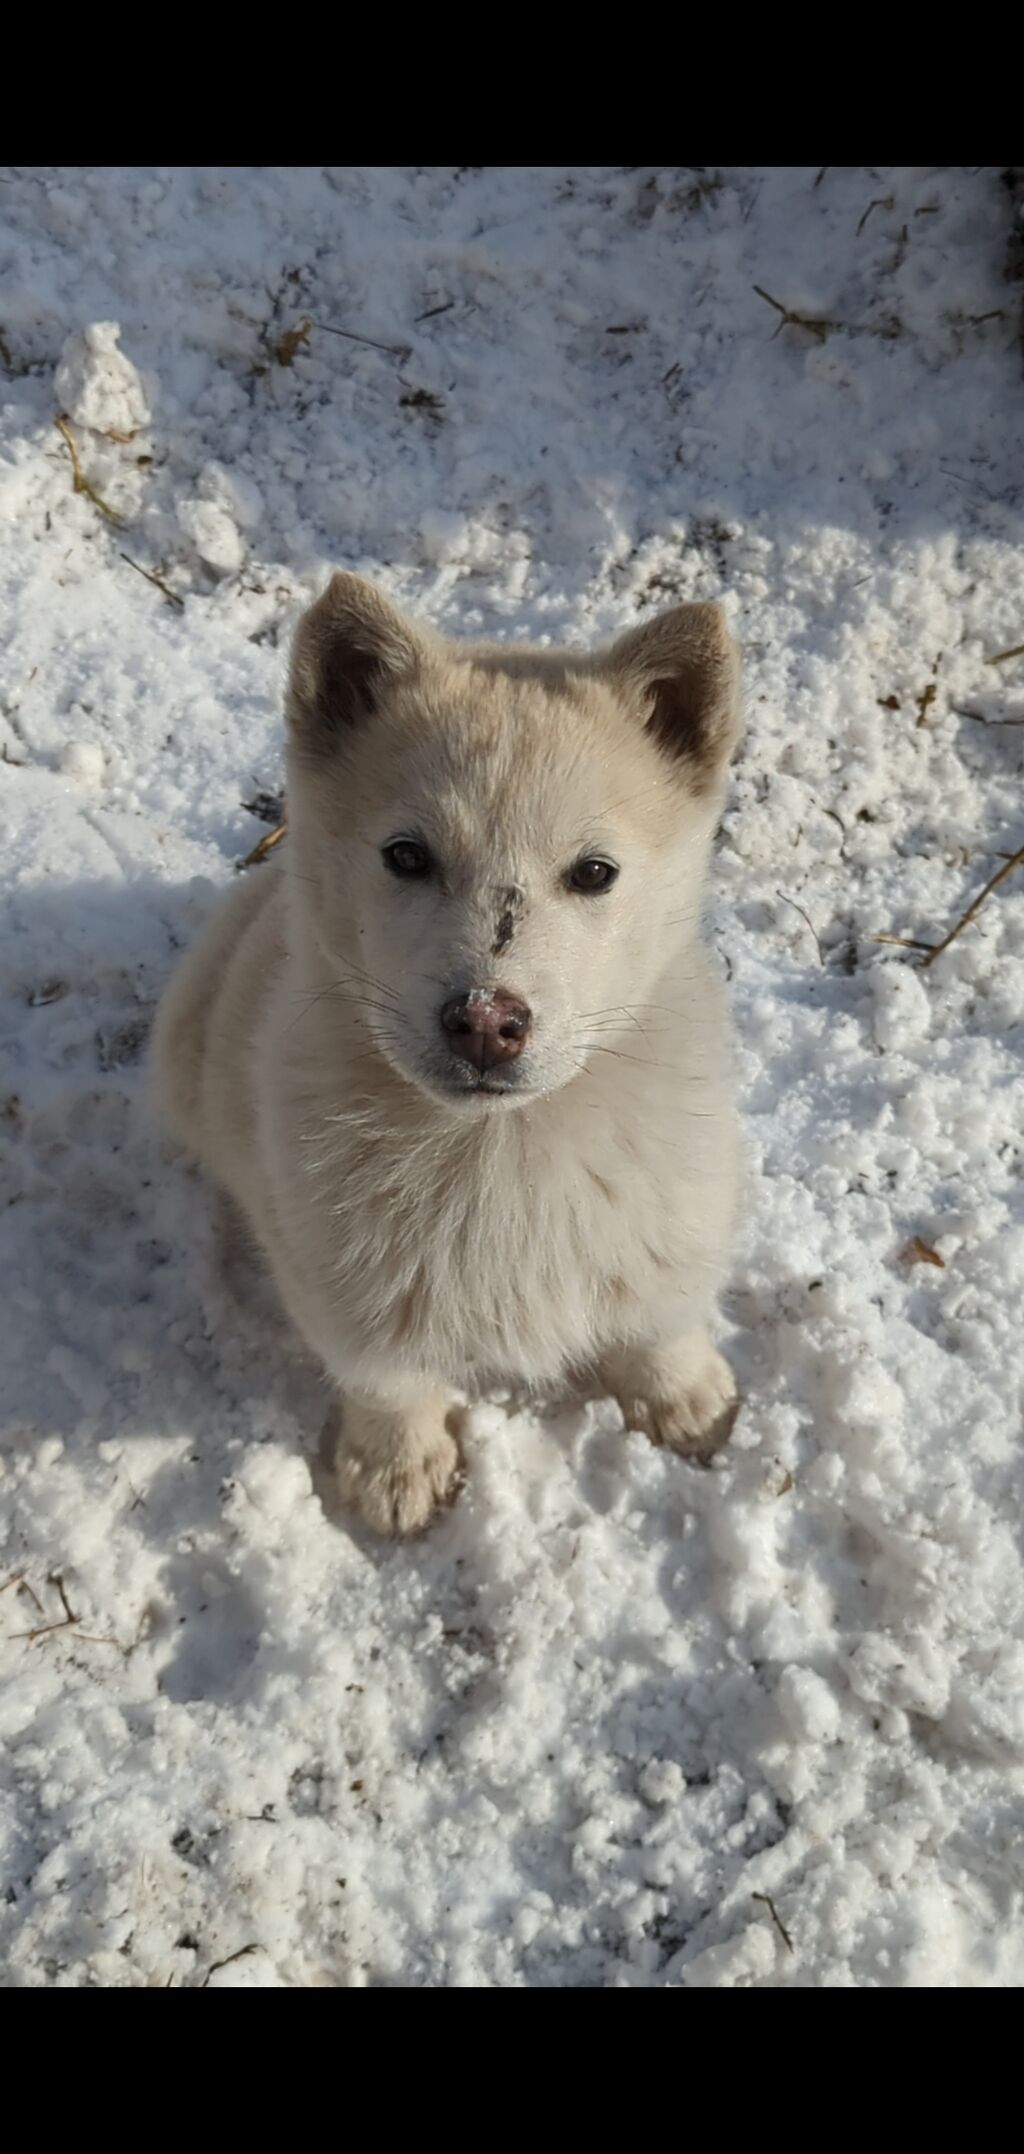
point(458, 1054)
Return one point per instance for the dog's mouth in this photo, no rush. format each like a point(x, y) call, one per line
point(458, 1085)
point(473, 1089)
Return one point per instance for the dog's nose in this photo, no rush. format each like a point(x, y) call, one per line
point(486, 1027)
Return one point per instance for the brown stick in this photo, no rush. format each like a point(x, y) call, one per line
point(804, 916)
point(881, 201)
point(151, 577)
point(776, 1917)
point(972, 910)
point(266, 844)
point(905, 942)
point(818, 325)
point(241, 1954)
point(352, 336)
point(82, 485)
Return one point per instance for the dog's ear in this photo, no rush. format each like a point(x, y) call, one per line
point(346, 648)
point(683, 669)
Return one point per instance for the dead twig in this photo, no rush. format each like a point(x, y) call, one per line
point(445, 308)
point(352, 336)
point(55, 1579)
point(82, 485)
point(241, 1954)
point(904, 942)
point(965, 919)
point(817, 325)
point(65, 1622)
point(415, 399)
point(769, 1903)
point(18, 1579)
point(881, 201)
point(266, 845)
point(68, 1621)
point(804, 916)
point(151, 576)
point(1000, 658)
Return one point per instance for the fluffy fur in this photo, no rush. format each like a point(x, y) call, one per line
point(432, 1227)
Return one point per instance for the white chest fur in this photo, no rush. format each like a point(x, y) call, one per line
point(515, 1246)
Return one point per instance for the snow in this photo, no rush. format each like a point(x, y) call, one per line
point(613, 1706)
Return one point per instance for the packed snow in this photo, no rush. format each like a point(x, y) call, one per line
point(616, 1722)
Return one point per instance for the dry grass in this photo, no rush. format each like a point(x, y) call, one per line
point(153, 576)
point(816, 325)
point(266, 845)
point(768, 1902)
point(973, 910)
point(81, 484)
point(917, 1251)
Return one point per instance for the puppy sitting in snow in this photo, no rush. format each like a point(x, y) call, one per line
point(460, 1058)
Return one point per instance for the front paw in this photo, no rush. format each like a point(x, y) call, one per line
point(397, 1488)
point(687, 1401)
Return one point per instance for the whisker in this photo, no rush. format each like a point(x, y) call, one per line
point(612, 1007)
point(643, 1061)
point(334, 992)
point(334, 987)
point(353, 1004)
point(648, 1032)
point(356, 972)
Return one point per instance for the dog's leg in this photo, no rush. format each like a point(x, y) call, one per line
point(683, 1394)
point(396, 1461)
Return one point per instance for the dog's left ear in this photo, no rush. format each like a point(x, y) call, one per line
point(684, 671)
point(347, 647)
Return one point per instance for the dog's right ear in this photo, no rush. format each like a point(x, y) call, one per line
point(684, 666)
point(346, 647)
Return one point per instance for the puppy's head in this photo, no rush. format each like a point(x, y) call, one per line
point(499, 850)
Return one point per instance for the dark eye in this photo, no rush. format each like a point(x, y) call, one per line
point(404, 857)
point(590, 876)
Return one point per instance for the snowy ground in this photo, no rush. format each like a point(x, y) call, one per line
point(612, 1707)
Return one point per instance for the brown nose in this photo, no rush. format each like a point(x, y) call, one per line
point(486, 1027)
